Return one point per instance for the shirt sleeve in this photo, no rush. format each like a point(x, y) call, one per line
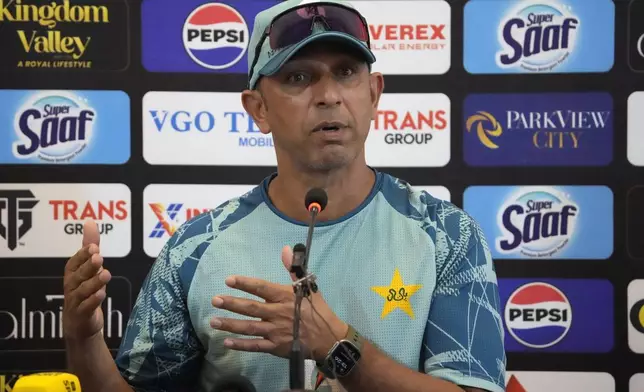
point(464, 334)
point(160, 351)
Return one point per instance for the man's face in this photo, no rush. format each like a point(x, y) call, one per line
point(319, 106)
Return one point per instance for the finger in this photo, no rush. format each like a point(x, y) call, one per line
point(242, 327)
point(89, 304)
point(253, 345)
point(86, 271)
point(269, 291)
point(287, 260)
point(90, 233)
point(246, 307)
point(81, 257)
point(89, 288)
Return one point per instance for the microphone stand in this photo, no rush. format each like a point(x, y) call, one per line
point(301, 289)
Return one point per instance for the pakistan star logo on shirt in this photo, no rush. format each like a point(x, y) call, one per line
point(397, 295)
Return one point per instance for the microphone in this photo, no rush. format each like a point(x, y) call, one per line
point(234, 383)
point(48, 382)
point(315, 201)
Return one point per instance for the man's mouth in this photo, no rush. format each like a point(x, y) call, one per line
point(329, 126)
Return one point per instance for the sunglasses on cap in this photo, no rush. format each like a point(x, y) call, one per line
point(296, 24)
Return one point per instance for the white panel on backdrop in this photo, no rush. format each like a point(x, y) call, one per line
point(46, 220)
point(636, 128)
point(167, 206)
point(411, 130)
point(636, 383)
point(409, 37)
point(202, 128)
point(439, 192)
point(529, 381)
point(635, 306)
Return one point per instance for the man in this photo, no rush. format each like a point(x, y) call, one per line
point(405, 278)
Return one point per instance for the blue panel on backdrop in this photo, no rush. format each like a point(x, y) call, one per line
point(198, 36)
point(544, 222)
point(559, 129)
point(64, 127)
point(557, 315)
point(534, 36)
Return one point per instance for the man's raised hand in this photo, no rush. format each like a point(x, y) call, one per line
point(84, 288)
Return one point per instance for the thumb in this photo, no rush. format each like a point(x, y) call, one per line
point(90, 233)
point(287, 260)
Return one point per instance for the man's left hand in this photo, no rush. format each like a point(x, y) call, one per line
point(273, 332)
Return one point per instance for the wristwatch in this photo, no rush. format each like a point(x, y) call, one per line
point(343, 356)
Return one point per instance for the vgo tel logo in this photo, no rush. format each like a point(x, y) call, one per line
point(215, 36)
point(57, 127)
point(538, 37)
point(202, 128)
point(410, 130)
point(538, 315)
point(167, 207)
point(537, 223)
point(48, 218)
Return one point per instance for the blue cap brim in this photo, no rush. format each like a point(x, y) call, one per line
point(282, 57)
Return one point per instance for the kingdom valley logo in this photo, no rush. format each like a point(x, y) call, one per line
point(636, 36)
point(63, 34)
point(16, 206)
point(31, 315)
point(168, 219)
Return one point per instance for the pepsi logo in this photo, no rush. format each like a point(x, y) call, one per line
point(538, 315)
point(215, 36)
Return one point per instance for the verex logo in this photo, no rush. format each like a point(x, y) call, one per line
point(201, 128)
point(535, 36)
point(544, 222)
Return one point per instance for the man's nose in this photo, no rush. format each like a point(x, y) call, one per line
point(328, 92)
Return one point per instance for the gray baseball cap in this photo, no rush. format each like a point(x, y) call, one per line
point(269, 61)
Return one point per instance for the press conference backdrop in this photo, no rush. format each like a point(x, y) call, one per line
point(528, 114)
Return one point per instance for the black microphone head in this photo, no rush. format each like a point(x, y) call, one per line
point(316, 196)
point(299, 248)
point(234, 383)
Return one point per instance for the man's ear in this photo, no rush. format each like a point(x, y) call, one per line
point(377, 86)
point(255, 106)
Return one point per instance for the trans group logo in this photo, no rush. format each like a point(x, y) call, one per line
point(538, 315)
point(215, 35)
point(64, 127)
point(553, 315)
point(558, 129)
point(544, 222)
point(197, 36)
point(538, 36)
point(16, 215)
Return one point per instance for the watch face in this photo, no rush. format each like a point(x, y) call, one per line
point(344, 357)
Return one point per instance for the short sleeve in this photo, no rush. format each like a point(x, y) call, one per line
point(464, 334)
point(160, 351)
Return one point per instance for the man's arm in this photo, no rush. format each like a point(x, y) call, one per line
point(463, 345)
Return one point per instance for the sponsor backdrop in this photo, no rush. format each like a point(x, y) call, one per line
point(526, 113)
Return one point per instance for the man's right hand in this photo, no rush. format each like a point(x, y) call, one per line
point(84, 288)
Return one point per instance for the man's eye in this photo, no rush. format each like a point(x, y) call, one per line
point(346, 71)
point(297, 77)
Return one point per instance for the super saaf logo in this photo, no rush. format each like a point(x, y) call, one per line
point(538, 36)
point(64, 34)
point(554, 315)
point(544, 222)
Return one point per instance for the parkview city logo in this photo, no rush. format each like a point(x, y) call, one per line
point(409, 37)
point(193, 36)
point(559, 129)
point(64, 34)
point(64, 127)
point(202, 128)
point(410, 130)
point(46, 220)
point(167, 206)
point(538, 36)
point(552, 315)
point(535, 381)
point(544, 222)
